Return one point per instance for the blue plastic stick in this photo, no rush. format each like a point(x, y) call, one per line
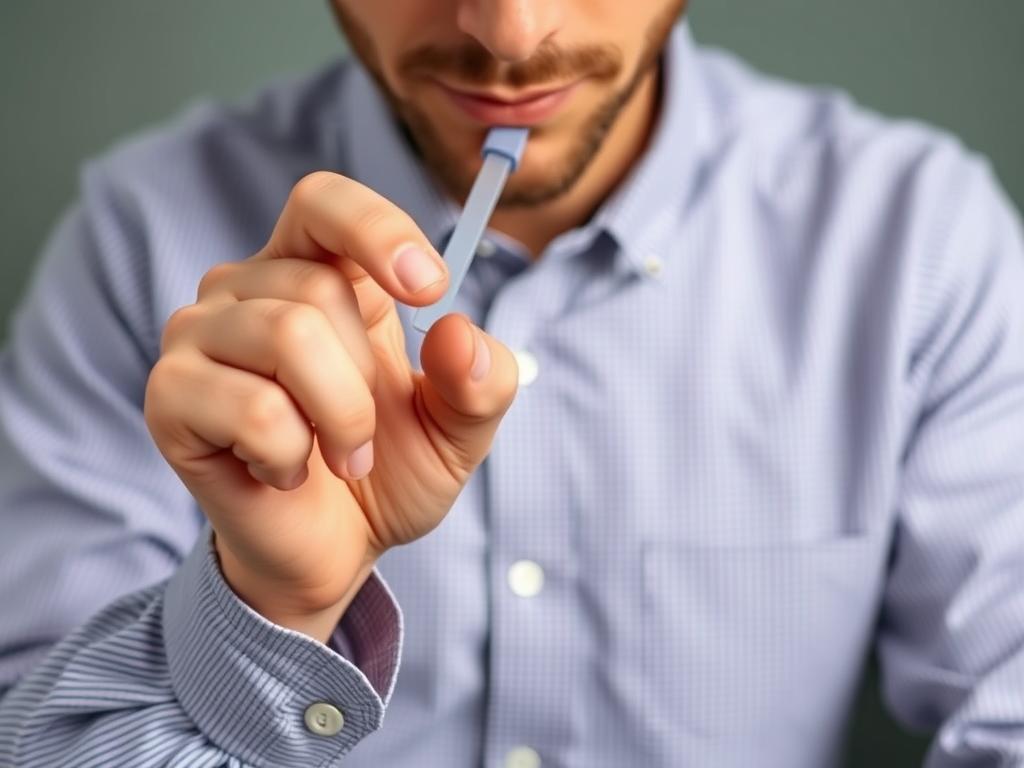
point(502, 152)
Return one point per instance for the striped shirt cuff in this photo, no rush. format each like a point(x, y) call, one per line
point(246, 682)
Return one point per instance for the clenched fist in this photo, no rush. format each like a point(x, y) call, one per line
point(284, 400)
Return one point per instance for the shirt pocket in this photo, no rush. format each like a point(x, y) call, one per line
point(757, 641)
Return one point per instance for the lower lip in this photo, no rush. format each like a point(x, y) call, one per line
point(524, 113)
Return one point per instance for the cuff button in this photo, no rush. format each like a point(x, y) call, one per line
point(324, 719)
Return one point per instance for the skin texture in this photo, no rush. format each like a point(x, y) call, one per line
point(283, 397)
point(510, 48)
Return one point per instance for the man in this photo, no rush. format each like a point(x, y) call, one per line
point(757, 357)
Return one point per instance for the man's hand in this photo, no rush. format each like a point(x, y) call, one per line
point(284, 400)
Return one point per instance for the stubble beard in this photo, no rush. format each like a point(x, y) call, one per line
point(449, 170)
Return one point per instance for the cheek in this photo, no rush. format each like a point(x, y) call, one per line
point(634, 26)
point(379, 32)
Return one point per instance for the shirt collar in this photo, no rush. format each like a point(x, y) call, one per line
point(641, 215)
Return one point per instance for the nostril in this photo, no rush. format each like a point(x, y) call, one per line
point(511, 30)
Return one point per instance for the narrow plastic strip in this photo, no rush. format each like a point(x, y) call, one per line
point(502, 151)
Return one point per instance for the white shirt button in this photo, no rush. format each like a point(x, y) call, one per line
point(324, 719)
point(486, 248)
point(526, 578)
point(522, 757)
point(528, 367)
point(652, 265)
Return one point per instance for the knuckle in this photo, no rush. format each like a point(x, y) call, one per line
point(312, 186)
point(180, 321)
point(266, 409)
point(295, 325)
point(319, 285)
point(214, 277)
point(163, 384)
point(376, 220)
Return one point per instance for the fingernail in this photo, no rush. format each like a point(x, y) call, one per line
point(360, 462)
point(481, 356)
point(416, 269)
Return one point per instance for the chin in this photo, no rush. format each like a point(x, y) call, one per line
point(541, 177)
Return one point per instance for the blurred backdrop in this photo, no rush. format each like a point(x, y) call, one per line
point(76, 76)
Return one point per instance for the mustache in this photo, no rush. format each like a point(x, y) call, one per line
point(472, 64)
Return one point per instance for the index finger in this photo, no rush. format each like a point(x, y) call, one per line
point(329, 217)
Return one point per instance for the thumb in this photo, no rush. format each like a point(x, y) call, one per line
point(469, 382)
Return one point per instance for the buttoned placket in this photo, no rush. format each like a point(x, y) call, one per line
point(532, 568)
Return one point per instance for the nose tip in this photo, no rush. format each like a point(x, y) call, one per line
point(511, 30)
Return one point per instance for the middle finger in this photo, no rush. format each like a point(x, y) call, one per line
point(303, 282)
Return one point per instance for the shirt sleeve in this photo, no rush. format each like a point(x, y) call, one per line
point(951, 637)
point(185, 669)
point(120, 642)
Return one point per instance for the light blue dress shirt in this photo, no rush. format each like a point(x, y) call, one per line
point(772, 415)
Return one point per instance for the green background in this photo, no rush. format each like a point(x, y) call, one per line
point(74, 76)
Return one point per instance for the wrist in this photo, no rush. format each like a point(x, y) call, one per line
point(305, 611)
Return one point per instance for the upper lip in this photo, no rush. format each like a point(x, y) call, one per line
point(509, 100)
